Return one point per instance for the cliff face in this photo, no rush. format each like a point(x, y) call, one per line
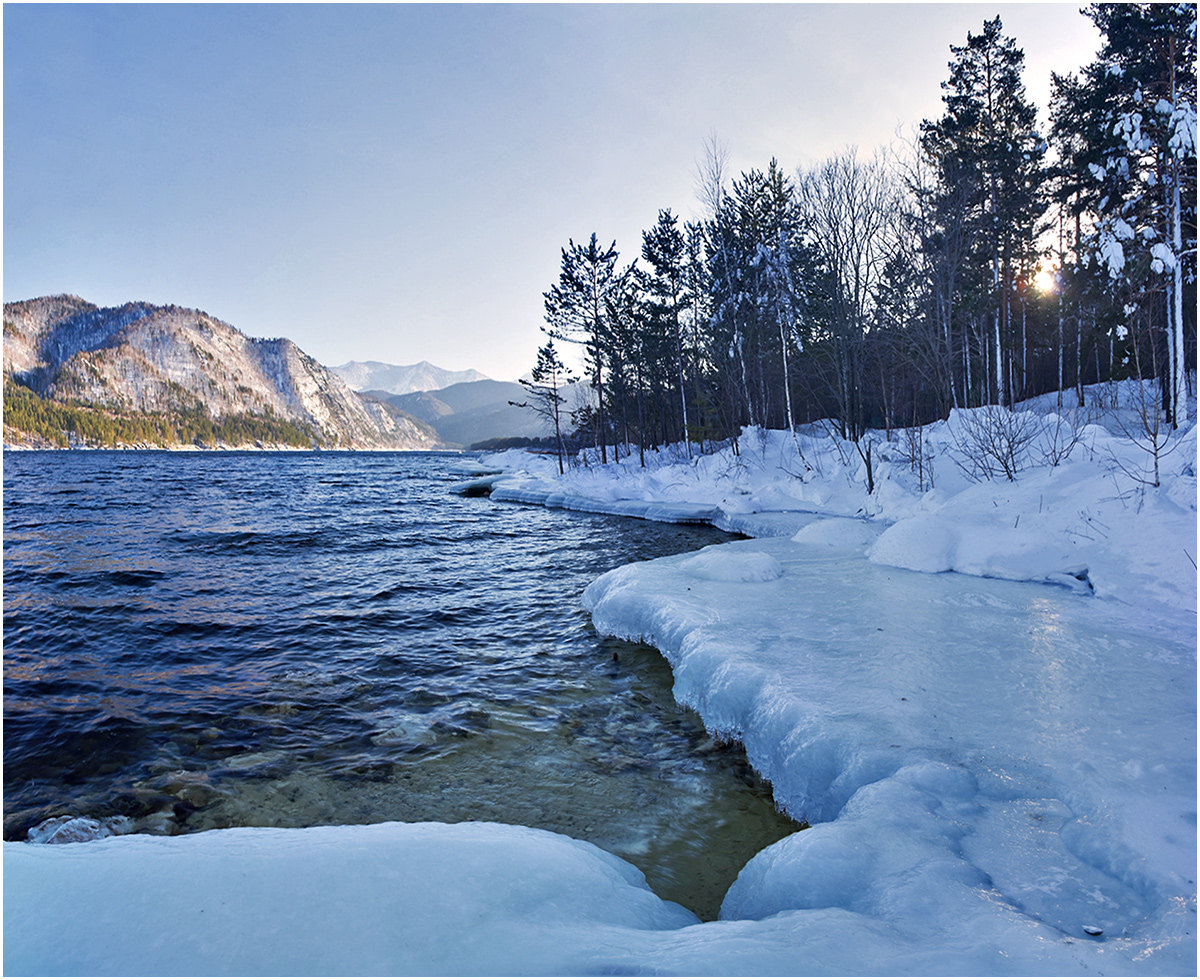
point(145, 358)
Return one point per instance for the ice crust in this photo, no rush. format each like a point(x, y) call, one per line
point(1000, 771)
point(980, 759)
point(715, 565)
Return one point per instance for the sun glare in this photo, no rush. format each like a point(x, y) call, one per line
point(1045, 281)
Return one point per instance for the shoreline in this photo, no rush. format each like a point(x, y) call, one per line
point(970, 812)
point(221, 449)
point(640, 603)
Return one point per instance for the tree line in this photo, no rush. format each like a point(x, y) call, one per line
point(979, 263)
point(64, 424)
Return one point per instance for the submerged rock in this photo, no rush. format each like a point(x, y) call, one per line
point(75, 830)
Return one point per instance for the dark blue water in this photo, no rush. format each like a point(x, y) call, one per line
point(201, 640)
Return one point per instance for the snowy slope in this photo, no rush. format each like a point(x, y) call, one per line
point(150, 358)
point(399, 379)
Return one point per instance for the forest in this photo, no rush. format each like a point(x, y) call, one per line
point(980, 262)
point(64, 424)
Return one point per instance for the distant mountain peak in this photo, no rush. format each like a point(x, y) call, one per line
point(401, 379)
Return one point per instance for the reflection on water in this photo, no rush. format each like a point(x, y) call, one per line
point(199, 641)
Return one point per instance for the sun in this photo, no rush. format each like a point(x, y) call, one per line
point(1045, 280)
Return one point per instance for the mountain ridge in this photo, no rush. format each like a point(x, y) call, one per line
point(472, 412)
point(402, 379)
point(157, 360)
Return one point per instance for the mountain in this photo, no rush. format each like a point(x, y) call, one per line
point(400, 379)
point(139, 361)
point(476, 411)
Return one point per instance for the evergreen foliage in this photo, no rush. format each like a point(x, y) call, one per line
point(545, 384)
point(985, 265)
point(577, 310)
point(74, 423)
point(1126, 134)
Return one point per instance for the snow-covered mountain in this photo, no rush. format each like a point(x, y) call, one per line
point(476, 411)
point(472, 411)
point(145, 358)
point(400, 379)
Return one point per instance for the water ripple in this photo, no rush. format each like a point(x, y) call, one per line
point(206, 640)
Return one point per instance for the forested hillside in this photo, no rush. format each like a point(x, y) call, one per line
point(986, 260)
point(146, 375)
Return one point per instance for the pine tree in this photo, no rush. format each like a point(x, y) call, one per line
point(545, 383)
point(1126, 130)
point(991, 154)
point(665, 250)
point(780, 302)
point(575, 312)
point(753, 220)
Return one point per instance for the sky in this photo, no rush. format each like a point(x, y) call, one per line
point(396, 182)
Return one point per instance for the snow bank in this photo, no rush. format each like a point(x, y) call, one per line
point(1002, 776)
point(1082, 510)
point(524, 489)
point(463, 899)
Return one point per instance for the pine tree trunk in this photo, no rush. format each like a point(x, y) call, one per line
point(1060, 349)
point(947, 324)
point(1179, 413)
point(985, 394)
point(998, 367)
point(787, 391)
point(745, 380)
point(557, 427)
point(965, 371)
point(1024, 352)
point(1079, 354)
point(997, 315)
point(687, 441)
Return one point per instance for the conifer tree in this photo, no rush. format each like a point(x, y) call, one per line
point(576, 312)
point(989, 148)
point(1125, 130)
point(544, 384)
point(664, 250)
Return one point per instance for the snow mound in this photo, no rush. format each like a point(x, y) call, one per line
point(840, 535)
point(383, 900)
point(714, 565)
point(921, 544)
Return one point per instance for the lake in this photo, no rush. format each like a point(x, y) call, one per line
point(205, 640)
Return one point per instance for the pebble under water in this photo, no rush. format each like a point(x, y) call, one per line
point(204, 640)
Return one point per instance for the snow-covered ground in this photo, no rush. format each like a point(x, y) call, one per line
point(1092, 512)
point(1000, 765)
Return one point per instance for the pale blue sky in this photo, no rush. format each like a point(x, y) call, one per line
point(395, 182)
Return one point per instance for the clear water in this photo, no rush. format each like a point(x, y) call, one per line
point(195, 641)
